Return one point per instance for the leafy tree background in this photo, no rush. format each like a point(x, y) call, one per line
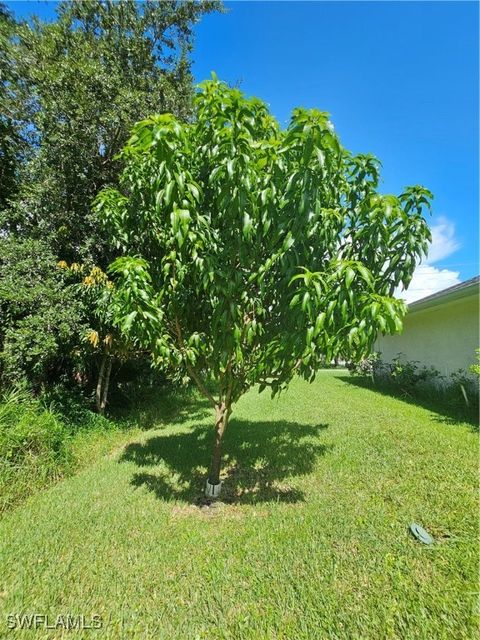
point(10, 112)
point(70, 93)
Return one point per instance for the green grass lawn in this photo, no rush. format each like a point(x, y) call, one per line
point(311, 540)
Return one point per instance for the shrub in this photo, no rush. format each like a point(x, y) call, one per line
point(41, 318)
point(367, 366)
point(464, 384)
point(409, 374)
point(475, 368)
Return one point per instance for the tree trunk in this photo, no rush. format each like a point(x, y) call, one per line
point(106, 383)
point(222, 413)
point(101, 391)
point(100, 384)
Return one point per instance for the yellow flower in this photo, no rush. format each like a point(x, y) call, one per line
point(96, 272)
point(62, 264)
point(93, 338)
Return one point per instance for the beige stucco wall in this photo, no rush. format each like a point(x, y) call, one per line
point(444, 336)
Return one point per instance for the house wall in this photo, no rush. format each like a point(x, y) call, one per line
point(444, 336)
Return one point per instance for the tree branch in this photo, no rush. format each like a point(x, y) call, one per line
point(191, 369)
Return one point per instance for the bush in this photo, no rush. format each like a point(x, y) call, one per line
point(409, 374)
point(41, 318)
point(475, 368)
point(366, 367)
point(465, 385)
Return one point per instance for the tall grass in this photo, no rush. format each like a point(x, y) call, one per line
point(41, 443)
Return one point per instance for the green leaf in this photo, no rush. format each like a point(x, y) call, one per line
point(349, 276)
point(306, 300)
point(194, 191)
point(127, 324)
point(310, 333)
point(294, 301)
point(352, 334)
point(247, 225)
point(289, 242)
point(390, 309)
point(374, 309)
point(181, 183)
point(320, 322)
point(320, 156)
point(365, 273)
point(169, 192)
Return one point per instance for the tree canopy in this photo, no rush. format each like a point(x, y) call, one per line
point(76, 86)
point(70, 91)
point(251, 253)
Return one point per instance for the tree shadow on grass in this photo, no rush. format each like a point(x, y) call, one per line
point(444, 410)
point(170, 406)
point(258, 460)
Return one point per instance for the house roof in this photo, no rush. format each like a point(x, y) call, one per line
point(458, 291)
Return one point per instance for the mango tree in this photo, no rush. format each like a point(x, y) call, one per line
point(253, 253)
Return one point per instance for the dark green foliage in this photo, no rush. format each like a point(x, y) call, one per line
point(41, 317)
point(85, 79)
point(70, 90)
point(27, 428)
point(10, 111)
point(32, 446)
point(465, 385)
point(366, 366)
point(408, 374)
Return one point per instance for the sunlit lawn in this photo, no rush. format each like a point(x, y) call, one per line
point(311, 540)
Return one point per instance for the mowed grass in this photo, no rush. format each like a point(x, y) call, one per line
point(310, 542)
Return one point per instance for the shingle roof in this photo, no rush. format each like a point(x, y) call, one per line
point(462, 290)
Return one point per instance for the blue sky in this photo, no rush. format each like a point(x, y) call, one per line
point(400, 79)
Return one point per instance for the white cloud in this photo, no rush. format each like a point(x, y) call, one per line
point(444, 242)
point(429, 279)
